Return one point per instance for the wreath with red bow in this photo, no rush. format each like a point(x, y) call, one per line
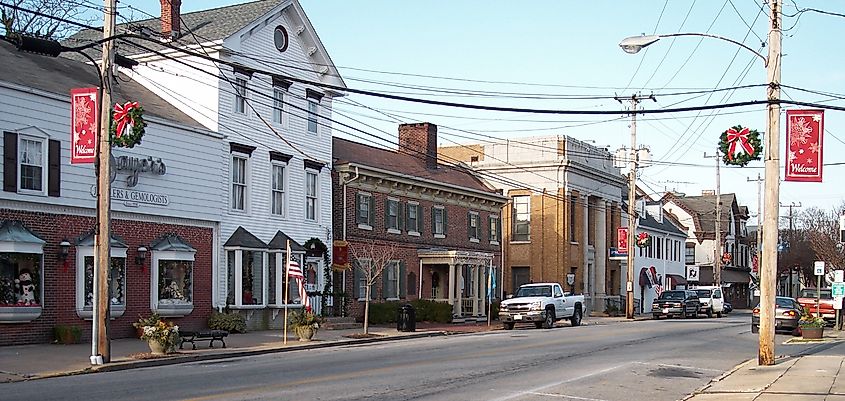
point(643, 240)
point(127, 125)
point(740, 145)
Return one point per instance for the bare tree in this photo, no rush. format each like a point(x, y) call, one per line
point(822, 231)
point(23, 22)
point(370, 260)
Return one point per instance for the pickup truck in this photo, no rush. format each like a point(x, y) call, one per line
point(807, 299)
point(542, 304)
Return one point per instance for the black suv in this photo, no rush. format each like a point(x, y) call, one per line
point(683, 303)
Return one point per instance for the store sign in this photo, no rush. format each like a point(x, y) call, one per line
point(133, 166)
point(622, 241)
point(692, 273)
point(131, 196)
point(83, 125)
point(804, 134)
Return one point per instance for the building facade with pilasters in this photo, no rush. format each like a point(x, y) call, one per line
point(563, 209)
point(442, 222)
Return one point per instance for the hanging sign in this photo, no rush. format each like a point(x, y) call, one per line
point(622, 241)
point(340, 255)
point(692, 273)
point(804, 134)
point(83, 125)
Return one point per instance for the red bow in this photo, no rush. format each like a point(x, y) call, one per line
point(740, 137)
point(121, 116)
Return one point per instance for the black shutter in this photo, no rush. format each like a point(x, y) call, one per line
point(433, 220)
point(402, 280)
point(54, 171)
point(357, 209)
point(385, 280)
point(445, 222)
point(10, 162)
point(357, 279)
point(420, 219)
point(372, 218)
point(387, 214)
point(469, 225)
point(400, 216)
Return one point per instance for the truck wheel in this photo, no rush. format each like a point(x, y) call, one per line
point(576, 317)
point(710, 312)
point(718, 314)
point(755, 329)
point(550, 319)
point(656, 317)
point(507, 326)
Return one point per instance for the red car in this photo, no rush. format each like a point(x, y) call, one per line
point(807, 299)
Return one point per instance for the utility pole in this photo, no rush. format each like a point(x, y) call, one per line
point(717, 246)
point(101, 293)
point(632, 198)
point(771, 152)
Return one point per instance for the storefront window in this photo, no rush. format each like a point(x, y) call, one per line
point(230, 278)
point(20, 279)
point(117, 283)
point(247, 278)
point(175, 282)
point(86, 274)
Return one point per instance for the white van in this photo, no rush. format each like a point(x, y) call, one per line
point(712, 300)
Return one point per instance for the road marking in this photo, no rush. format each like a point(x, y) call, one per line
point(568, 396)
point(558, 383)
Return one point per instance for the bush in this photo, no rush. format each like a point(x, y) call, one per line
point(231, 322)
point(494, 310)
point(424, 311)
point(67, 334)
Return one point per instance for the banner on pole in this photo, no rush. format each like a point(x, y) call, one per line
point(622, 241)
point(84, 121)
point(804, 145)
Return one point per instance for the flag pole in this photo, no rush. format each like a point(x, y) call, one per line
point(287, 285)
point(489, 292)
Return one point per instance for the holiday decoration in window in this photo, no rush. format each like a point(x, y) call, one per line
point(740, 145)
point(643, 240)
point(127, 126)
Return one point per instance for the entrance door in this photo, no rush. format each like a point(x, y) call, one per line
point(519, 276)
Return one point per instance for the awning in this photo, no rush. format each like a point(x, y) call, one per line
point(242, 238)
point(279, 242)
point(171, 242)
point(14, 237)
point(727, 275)
point(676, 279)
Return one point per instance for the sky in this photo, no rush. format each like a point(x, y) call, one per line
point(565, 56)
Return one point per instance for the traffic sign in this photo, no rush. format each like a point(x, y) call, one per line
point(819, 268)
point(838, 289)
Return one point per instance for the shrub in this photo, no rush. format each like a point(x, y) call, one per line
point(304, 318)
point(432, 311)
point(231, 322)
point(67, 334)
point(151, 320)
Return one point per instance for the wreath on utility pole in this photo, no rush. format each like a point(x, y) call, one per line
point(740, 145)
point(127, 125)
point(643, 240)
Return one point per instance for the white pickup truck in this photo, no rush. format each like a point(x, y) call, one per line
point(543, 304)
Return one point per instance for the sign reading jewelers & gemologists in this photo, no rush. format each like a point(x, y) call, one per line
point(129, 195)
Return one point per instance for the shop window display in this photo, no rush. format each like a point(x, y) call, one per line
point(117, 277)
point(20, 279)
point(175, 282)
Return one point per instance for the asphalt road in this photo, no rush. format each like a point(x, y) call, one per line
point(645, 360)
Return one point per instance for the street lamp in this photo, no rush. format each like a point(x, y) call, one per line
point(768, 264)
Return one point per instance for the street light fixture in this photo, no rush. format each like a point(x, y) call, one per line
point(768, 263)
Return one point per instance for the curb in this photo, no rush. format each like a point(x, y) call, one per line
point(147, 363)
point(717, 379)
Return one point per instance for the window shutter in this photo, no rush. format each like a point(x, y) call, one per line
point(372, 218)
point(10, 162)
point(445, 222)
point(54, 172)
point(499, 229)
point(489, 231)
point(357, 280)
point(469, 225)
point(386, 213)
point(420, 219)
point(402, 280)
point(385, 280)
point(433, 220)
point(358, 198)
point(400, 216)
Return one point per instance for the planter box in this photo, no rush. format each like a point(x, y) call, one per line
point(812, 333)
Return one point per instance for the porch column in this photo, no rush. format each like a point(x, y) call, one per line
point(476, 279)
point(601, 249)
point(451, 290)
point(419, 289)
point(459, 287)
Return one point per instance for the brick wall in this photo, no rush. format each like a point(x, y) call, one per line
point(59, 295)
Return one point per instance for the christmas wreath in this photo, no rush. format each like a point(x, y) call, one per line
point(740, 145)
point(127, 125)
point(726, 258)
point(643, 240)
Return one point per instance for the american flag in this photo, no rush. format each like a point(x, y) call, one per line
point(295, 272)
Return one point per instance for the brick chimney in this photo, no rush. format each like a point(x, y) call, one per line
point(419, 140)
point(170, 26)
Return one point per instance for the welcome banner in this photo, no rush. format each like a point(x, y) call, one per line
point(804, 134)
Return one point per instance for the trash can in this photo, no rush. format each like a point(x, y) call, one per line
point(406, 320)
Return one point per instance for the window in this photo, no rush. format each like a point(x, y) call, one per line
point(246, 277)
point(573, 202)
point(414, 218)
point(175, 282)
point(690, 253)
point(438, 221)
point(313, 111)
point(31, 164)
point(239, 194)
point(277, 195)
point(473, 226)
point(278, 105)
point(20, 279)
point(521, 218)
point(494, 229)
point(390, 282)
point(288, 288)
point(362, 266)
point(117, 275)
point(391, 216)
point(364, 208)
point(240, 95)
point(311, 195)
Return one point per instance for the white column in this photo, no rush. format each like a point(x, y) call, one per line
point(451, 291)
point(601, 249)
point(475, 296)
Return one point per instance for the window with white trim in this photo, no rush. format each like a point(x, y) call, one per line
point(31, 161)
point(473, 226)
point(364, 209)
point(279, 105)
point(438, 221)
point(246, 277)
point(414, 218)
point(311, 195)
point(521, 218)
point(240, 95)
point(85, 271)
point(277, 190)
point(362, 266)
point(494, 229)
point(288, 287)
point(391, 211)
point(313, 113)
point(238, 199)
point(172, 275)
point(390, 283)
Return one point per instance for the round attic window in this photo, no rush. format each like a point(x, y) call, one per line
point(280, 38)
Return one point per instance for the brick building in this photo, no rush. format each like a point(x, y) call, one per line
point(443, 220)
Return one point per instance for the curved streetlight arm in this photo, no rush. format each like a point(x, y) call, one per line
point(634, 44)
point(709, 35)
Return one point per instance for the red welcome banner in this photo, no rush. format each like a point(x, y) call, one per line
point(804, 134)
point(83, 125)
point(622, 240)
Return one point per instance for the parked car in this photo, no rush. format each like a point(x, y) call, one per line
point(728, 307)
point(787, 313)
point(543, 304)
point(807, 300)
point(711, 301)
point(683, 303)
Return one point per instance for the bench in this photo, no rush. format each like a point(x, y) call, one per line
point(213, 335)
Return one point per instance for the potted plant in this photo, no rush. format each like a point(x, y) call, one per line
point(812, 327)
point(304, 324)
point(162, 337)
point(151, 320)
point(67, 334)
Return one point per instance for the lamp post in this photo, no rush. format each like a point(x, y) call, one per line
point(771, 150)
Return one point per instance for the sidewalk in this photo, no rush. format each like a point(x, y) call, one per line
point(814, 375)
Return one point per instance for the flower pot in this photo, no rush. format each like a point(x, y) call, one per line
point(812, 332)
point(156, 348)
point(305, 333)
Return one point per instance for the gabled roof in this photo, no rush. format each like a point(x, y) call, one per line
point(171, 242)
point(345, 151)
point(88, 240)
point(667, 225)
point(59, 75)
point(703, 210)
point(14, 231)
point(280, 240)
point(244, 239)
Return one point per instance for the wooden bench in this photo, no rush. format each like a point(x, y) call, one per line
point(213, 335)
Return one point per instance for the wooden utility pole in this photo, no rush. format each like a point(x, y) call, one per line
point(771, 152)
point(717, 245)
point(102, 294)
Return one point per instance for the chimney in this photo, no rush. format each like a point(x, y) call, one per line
point(419, 140)
point(170, 26)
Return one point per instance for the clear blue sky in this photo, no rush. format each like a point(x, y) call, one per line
point(571, 49)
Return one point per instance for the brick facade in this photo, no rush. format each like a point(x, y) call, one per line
point(59, 279)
